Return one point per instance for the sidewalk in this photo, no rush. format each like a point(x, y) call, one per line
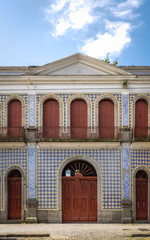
point(74, 231)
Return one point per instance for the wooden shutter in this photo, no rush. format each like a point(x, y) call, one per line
point(141, 196)
point(14, 195)
point(106, 119)
point(51, 119)
point(78, 119)
point(15, 119)
point(141, 119)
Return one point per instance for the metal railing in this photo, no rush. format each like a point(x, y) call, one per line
point(7, 133)
point(75, 133)
point(95, 133)
point(141, 133)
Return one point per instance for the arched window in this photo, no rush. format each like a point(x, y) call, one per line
point(51, 119)
point(79, 166)
point(141, 196)
point(141, 119)
point(15, 119)
point(106, 119)
point(79, 119)
point(14, 195)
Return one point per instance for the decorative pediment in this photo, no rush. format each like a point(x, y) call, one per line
point(79, 64)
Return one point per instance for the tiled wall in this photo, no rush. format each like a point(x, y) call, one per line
point(48, 162)
point(9, 158)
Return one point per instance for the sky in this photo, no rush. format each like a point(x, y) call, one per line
point(37, 32)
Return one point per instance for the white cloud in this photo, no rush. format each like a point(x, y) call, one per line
point(79, 18)
point(130, 3)
point(69, 14)
point(125, 10)
point(113, 41)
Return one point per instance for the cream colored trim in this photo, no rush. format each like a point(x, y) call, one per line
point(147, 99)
point(68, 108)
point(116, 107)
point(141, 145)
point(71, 80)
point(105, 97)
point(5, 203)
point(40, 108)
point(0, 191)
point(80, 58)
point(12, 144)
point(0, 114)
point(99, 181)
point(78, 145)
point(145, 169)
point(23, 106)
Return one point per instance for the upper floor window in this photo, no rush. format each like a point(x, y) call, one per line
point(106, 119)
point(51, 119)
point(15, 118)
point(79, 119)
point(141, 119)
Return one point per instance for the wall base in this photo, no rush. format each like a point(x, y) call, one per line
point(31, 213)
point(126, 213)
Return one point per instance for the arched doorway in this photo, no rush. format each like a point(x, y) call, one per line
point(79, 192)
point(14, 195)
point(141, 195)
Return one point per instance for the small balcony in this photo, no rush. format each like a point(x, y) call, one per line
point(12, 134)
point(78, 134)
point(141, 134)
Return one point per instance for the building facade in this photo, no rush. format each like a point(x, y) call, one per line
point(74, 142)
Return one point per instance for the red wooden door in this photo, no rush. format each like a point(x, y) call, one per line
point(78, 119)
point(51, 119)
point(79, 199)
point(141, 198)
point(15, 119)
point(14, 198)
point(106, 119)
point(141, 119)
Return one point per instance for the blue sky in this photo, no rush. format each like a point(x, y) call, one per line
point(36, 32)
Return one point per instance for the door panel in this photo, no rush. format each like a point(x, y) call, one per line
point(141, 199)
point(75, 199)
point(15, 119)
point(93, 201)
point(84, 211)
point(51, 119)
point(14, 198)
point(66, 203)
point(81, 199)
point(78, 119)
point(141, 119)
point(106, 119)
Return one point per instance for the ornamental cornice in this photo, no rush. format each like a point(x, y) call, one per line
point(71, 80)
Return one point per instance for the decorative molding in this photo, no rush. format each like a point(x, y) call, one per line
point(0, 114)
point(23, 106)
point(40, 108)
point(32, 173)
point(126, 186)
point(125, 110)
point(31, 110)
point(116, 107)
point(125, 158)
